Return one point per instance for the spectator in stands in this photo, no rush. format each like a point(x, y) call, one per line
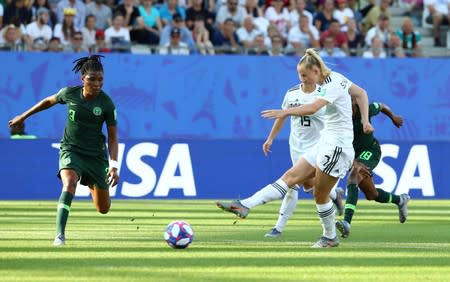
point(299, 10)
point(102, 13)
point(339, 37)
point(230, 11)
point(10, 39)
point(258, 46)
point(286, 3)
point(139, 34)
point(76, 43)
point(374, 14)
point(54, 45)
point(39, 28)
point(226, 39)
point(252, 9)
point(353, 5)
point(151, 17)
point(117, 36)
point(278, 15)
point(185, 33)
point(52, 20)
point(201, 37)
point(89, 32)
point(79, 12)
point(330, 50)
point(303, 36)
point(323, 19)
point(2, 10)
point(175, 46)
point(217, 4)
point(355, 40)
point(65, 29)
point(17, 10)
point(395, 47)
point(410, 38)
point(100, 42)
point(438, 15)
point(247, 32)
point(129, 12)
point(197, 11)
point(342, 14)
point(170, 8)
point(38, 45)
point(382, 30)
point(376, 49)
point(276, 46)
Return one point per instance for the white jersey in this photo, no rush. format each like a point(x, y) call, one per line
point(305, 130)
point(338, 112)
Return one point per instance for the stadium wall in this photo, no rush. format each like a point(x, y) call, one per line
point(212, 169)
point(190, 127)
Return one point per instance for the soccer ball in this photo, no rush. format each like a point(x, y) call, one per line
point(178, 234)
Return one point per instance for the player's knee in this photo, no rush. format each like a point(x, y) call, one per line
point(353, 177)
point(103, 209)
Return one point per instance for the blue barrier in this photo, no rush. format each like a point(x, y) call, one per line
point(215, 169)
point(220, 97)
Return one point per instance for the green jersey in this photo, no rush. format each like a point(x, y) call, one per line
point(362, 141)
point(83, 131)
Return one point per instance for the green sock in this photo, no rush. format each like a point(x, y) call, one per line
point(386, 197)
point(62, 213)
point(351, 201)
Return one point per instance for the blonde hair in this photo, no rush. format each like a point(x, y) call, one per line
point(311, 58)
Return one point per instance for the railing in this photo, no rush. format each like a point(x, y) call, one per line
point(213, 50)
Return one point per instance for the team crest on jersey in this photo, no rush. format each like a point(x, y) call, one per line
point(66, 161)
point(97, 111)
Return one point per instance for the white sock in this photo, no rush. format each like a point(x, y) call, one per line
point(327, 219)
point(269, 193)
point(287, 208)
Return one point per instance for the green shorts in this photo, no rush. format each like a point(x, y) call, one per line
point(371, 156)
point(91, 170)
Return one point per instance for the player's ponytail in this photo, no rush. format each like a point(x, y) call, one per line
point(311, 58)
point(85, 64)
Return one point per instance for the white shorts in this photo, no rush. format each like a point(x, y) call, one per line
point(297, 154)
point(330, 159)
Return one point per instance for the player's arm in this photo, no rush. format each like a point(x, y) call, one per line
point(303, 110)
point(277, 126)
point(113, 148)
point(44, 104)
point(360, 96)
point(396, 120)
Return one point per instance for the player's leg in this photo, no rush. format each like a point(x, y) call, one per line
point(325, 209)
point(100, 198)
point(332, 163)
point(297, 174)
point(69, 178)
point(370, 159)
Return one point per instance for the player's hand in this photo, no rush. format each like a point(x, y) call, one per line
point(18, 120)
point(398, 121)
point(266, 147)
point(112, 177)
point(362, 169)
point(368, 128)
point(273, 114)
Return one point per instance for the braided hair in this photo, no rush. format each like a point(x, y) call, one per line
point(85, 64)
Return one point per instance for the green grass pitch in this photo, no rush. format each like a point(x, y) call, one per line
point(127, 244)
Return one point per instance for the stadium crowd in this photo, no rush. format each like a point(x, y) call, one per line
point(339, 28)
